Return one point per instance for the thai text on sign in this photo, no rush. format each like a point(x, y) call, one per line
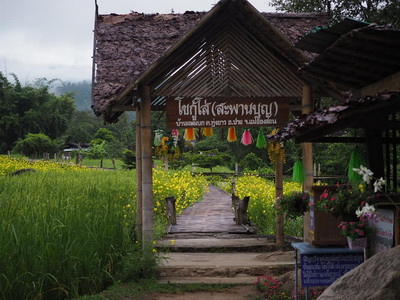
point(225, 112)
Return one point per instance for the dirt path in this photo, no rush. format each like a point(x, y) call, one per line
point(243, 292)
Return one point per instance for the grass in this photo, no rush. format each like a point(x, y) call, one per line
point(107, 163)
point(144, 288)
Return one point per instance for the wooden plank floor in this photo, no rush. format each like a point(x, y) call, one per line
point(213, 214)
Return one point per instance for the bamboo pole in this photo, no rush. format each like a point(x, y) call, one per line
point(280, 234)
point(139, 198)
point(147, 164)
point(307, 108)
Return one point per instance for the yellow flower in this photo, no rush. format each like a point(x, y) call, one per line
point(172, 242)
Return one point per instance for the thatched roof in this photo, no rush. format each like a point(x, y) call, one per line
point(130, 47)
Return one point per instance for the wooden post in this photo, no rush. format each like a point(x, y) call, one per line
point(240, 209)
point(147, 164)
point(280, 231)
point(307, 108)
point(171, 210)
point(375, 152)
point(139, 198)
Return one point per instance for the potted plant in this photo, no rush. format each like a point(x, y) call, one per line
point(293, 205)
point(344, 201)
point(356, 233)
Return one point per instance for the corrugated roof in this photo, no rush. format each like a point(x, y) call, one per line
point(320, 38)
point(364, 112)
point(357, 59)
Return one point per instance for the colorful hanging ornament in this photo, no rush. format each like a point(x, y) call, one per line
point(246, 137)
point(232, 134)
point(261, 141)
point(355, 162)
point(158, 135)
point(208, 131)
point(189, 134)
point(174, 132)
point(175, 136)
point(299, 174)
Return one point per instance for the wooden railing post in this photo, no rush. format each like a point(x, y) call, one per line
point(171, 210)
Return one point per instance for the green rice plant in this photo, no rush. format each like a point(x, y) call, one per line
point(63, 233)
point(261, 208)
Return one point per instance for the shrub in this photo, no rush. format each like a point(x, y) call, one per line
point(129, 159)
point(36, 145)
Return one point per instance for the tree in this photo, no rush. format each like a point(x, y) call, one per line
point(252, 162)
point(210, 159)
point(80, 91)
point(31, 109)
point(99, 151)
point(382, 12)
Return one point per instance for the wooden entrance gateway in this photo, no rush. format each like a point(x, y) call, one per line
point(233, 54)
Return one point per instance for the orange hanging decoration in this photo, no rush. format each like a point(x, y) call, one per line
point(189, 134)
point(207, 131)
point(232, 134)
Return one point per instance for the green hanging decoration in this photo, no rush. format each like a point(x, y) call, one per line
point(261, 141)
point(355, 162)
point(299, 174)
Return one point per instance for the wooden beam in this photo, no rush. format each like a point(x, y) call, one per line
point(139, 197)
point(124, 108)
point(280, 229)
point(147, 164)
point(307, 149)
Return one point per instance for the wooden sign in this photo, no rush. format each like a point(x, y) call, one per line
point(227, 112)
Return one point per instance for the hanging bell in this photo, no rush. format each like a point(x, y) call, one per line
point(261, 141)
point(355, 162)
point(299, 174)
point(246, 137)
point(232, 134)
point(189, 134)
point(208, 131)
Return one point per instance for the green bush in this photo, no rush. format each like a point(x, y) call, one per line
point(36, 144)
point(129, 159)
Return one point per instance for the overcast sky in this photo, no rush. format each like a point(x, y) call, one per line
point(54, 38)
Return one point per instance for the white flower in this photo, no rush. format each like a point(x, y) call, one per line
point(365, 173)
point(378, 185)
point(366, 210)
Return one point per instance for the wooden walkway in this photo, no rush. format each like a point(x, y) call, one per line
point(213, 214)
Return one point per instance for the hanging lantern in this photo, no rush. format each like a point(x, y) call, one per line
point(299, 174)
point(261, 141)
point(246, 137)
point(355, 162)
point(207, 131)
point(189, 134)
point(232, 134)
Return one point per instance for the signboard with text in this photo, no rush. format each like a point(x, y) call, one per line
point(382, 223)
point(226, 112)
point(324, 269)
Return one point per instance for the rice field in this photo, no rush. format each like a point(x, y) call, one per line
point(66, 230)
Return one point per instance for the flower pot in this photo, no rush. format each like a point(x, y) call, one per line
point(358, 243)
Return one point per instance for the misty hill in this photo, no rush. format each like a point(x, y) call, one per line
point(81, 92)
